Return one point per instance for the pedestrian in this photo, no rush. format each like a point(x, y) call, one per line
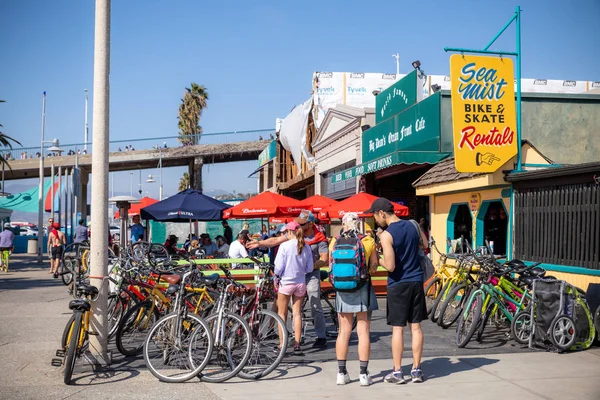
point(400, 243)
point(131, 148)
point(57, 240)
point(320, 250)
point(7, 238)
point(222, 247)
point(360, 302)
point(165, 145)
point(81, 232)
point(119, 149)
point(137, 230)
point(294, 260)
point(227, 232)
point(237, 249)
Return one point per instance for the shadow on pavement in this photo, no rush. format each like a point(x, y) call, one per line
point(444, 366)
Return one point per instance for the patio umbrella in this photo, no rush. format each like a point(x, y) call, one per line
point(188, 205)
point(265, 205)
point(317, 203)
point(135, 208)
point(358, 204)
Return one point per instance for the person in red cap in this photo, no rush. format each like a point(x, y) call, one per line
point(57, 241)
point(400, 242)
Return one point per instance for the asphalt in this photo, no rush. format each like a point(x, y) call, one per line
point(33, 313)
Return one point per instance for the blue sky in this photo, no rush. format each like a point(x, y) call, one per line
point(255, 58)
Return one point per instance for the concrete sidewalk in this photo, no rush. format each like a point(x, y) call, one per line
point(33, 313)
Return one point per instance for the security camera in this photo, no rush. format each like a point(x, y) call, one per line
point(376, 92)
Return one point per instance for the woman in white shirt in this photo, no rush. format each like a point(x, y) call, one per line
point(222, 246)
point(237, 249)
point(293, 261)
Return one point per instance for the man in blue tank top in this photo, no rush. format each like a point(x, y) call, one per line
point(400, 242)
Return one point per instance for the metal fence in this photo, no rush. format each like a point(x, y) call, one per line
point(559, 225)
point(18, 153)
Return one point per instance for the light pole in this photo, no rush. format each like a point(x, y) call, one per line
point(152, 180)
point(131, 184)
point(397, 57)
point(85, 134)
point(55, 148)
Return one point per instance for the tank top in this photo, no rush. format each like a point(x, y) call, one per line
point(406, 249)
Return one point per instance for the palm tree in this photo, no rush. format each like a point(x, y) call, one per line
point(190, 111)
point(184, 181)
point(5, 141)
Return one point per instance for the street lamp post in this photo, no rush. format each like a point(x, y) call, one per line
point(131, 184)
point(55, 148)
point(151, 179)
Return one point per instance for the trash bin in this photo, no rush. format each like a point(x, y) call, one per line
point(32, 246)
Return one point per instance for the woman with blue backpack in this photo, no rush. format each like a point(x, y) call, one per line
point(352, 260)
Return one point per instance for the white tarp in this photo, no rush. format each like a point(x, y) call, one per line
point(293, 133)
point(531, 85)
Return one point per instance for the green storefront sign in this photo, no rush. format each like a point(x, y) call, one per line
point(415, 129)
point(268, 153)
point(411, 137)
point(397, 98)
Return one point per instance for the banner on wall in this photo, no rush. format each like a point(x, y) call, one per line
point(483, 112)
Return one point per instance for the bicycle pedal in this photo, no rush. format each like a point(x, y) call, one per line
point(60, 353)
point(56, 362)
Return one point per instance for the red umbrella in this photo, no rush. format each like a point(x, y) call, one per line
point(135, 208)
point(317, 203)
point(358, 204)
point(265, 205)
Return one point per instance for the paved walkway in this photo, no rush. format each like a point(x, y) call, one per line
point(33, 313)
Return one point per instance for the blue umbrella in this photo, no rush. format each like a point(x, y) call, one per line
point(188, 205)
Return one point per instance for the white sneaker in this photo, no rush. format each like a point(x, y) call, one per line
point(342, 379)
point(365, 379)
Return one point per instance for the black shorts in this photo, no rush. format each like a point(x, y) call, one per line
point(405, 303)
point(56, 252)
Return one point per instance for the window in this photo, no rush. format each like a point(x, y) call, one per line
point(340, 189)
point(270, 173)
point(559, 225)
point(261, 181)
point(460, 226)
point(492, 225)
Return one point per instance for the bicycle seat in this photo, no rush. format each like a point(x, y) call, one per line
point(537, 272)
point(323, 275)
point(171, 278)
point(210, 279)
point(526, 279)
point(172, 289)
point(515, 264)
point(79, 305)
point(87, 290)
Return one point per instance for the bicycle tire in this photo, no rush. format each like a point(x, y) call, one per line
point(66, 270)
point(445, 320)
point(475, 314)
point(71, 356)
point(199, 325)
point(144, 307)
point(119, 306)
point(520, 327)
point(484, 322)
point(282, 338)
point(65, 335)
point(219, 353)
point(432, 291)
point(434, 315)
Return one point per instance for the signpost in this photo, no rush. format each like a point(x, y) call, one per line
point(483, 112)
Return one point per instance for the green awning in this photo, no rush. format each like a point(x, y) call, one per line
point(401, 157)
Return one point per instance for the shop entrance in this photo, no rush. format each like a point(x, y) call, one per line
point(493, 221)
point(460, 225)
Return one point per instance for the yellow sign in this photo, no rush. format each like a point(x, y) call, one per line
point(483, 112)
point(474, 202)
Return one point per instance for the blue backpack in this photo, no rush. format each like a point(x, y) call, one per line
point(349, 270)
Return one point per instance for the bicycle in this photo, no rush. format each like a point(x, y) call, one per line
point(180, 342)
point(231, 333)
point(78, 329)
point(434, 287)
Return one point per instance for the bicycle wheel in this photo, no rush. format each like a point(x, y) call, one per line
point(71, 357)
point(563, 332)
point(157, 253)
point(452, 306)
point(521, 327)
point(432, 291)
point(231, 350)
point(269, 344)
point(177, 357)
point(116, 310)
point(134, 326)
point(67, 266)
point(467, 325)
point(435, 308)
point(484, 321)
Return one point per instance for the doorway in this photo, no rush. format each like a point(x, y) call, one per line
point(493, 217)
point(460, 226)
